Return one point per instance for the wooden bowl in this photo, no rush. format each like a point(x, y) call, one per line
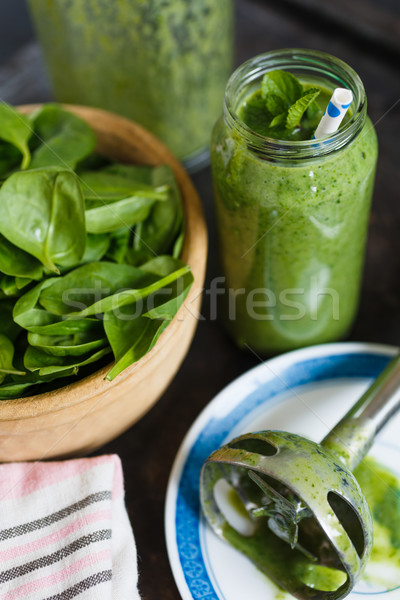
point(80, 417)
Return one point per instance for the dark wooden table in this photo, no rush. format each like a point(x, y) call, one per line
point(148, 449)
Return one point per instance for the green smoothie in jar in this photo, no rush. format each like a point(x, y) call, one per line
point(162, 63)
point(292, 212)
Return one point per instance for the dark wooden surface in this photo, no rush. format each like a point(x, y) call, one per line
point(149, 448)
point(377, 21)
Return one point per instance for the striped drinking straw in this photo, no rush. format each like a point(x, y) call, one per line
point(334, 113)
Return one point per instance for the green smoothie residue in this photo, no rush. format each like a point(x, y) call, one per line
point(321, 578)
point(382, 491)
point(284, 108)
point(236, 503)
point(273, 556)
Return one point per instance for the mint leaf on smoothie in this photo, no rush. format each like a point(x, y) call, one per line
point(278, 120)
point(297, 110)
point(282, 84)
point(255, 115)
point(283, 107)
point(276, 105)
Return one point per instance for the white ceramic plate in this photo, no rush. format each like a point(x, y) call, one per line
point(305, 392)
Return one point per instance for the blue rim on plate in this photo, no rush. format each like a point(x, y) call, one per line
point(251, 391)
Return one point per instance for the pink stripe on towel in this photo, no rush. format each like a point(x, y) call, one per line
point(43, 582)
point(16, 551)
point(23, 479)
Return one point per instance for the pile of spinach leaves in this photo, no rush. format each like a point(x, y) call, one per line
point(89, 253)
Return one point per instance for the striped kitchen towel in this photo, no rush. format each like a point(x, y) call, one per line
point(65, 532)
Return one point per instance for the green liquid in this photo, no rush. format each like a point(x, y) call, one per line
point(292, 239)
point(162, 63)
point(271, 555)
point(382, 491)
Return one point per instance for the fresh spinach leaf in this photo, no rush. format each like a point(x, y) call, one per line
point(99, 186)
point(158, 233)
point(162, 265)
point(125, 212)
point(113, 200)
point(119, 245)
point(15, 386)
point(8, 327)
point(178, 244)
point(166, 303)
point(87, 285)
point(137, 257)
point(130, 296)
point(22, 282)
point(28, 314)
point(92, 162)
point(131, 335)
point(96, 248)
point(10, 159)
point(12, 390)
point(17, 263)
point(61, 138)
point(136, 174)
point(62, 327)
point(66, 345)
point(42, 212)
point(130, 339)
point(8, 286)
point(26, 311)
point(16, 129)
point(45, 364)
point(6, 358)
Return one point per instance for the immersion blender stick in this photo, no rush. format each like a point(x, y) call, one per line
point(353, 436)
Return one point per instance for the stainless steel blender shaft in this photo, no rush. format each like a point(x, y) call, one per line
point(353, 436)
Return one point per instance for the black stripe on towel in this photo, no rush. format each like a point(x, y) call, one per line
point(53, 518)
point(50, 559)
point(83, 585)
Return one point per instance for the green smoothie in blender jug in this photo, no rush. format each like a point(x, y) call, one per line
point(162, 63)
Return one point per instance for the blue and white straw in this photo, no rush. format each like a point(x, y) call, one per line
point(334, 113)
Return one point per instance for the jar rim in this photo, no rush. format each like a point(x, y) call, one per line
point(291, 58)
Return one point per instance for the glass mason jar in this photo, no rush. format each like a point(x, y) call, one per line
point(292, 215)
point(162, 63)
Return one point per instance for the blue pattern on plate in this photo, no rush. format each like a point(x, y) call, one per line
point(213, 435)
